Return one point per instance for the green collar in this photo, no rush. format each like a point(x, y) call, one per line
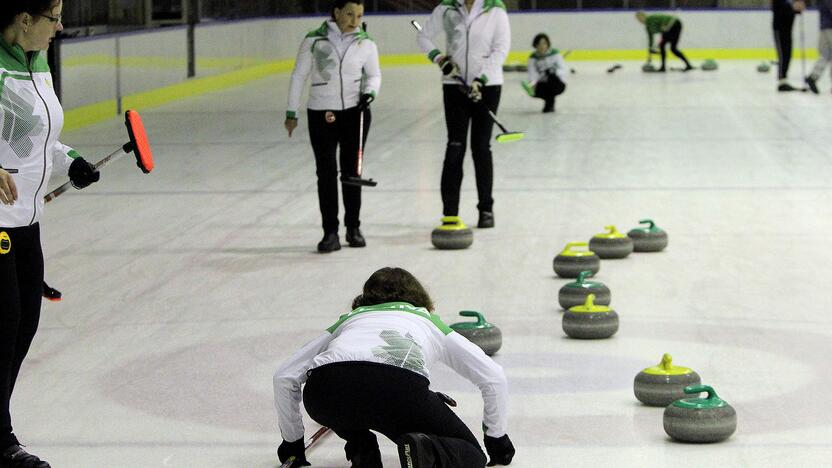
point(15, 51)
point(548, 53)
point(323, 31)
point(394, 307)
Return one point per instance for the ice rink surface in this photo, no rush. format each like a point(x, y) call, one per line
point(186, 288)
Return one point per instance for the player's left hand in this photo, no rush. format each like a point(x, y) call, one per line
point(475, 91)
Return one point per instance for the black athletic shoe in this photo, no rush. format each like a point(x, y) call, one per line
point(548, 109)
point(354, 238)
point(785, 87)
point(688, 68)
point(51, 293)
point(486, 220)
point(416, 451)
point(812, 83)
point(16, 457)
point(329, 243)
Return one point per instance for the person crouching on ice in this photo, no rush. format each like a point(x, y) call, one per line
point(370, 372)
point(547, 72)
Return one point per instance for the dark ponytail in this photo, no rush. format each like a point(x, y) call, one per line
point(342, 3)
point(9, 9)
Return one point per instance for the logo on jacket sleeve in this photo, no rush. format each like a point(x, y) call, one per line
point(19, 122)
point(5, 243)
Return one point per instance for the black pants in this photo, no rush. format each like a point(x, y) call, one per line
point(547, 88)
point(671, 36)
point(460, 111)
point(353, 398)
point(783, 42)
point(326, 137)
point(21, 288)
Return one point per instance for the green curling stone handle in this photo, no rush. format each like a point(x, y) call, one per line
point(481, 322)
point(648, 221)
point(582, 276)
point(711, 402)
point(696, 389)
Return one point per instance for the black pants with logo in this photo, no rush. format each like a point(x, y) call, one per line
point(341, 129)
point(21, 289)
point(353, 398)
point(460, 112)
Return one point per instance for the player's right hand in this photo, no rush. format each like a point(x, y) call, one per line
point(447, 65)
point(290, 125)
point(8, 190)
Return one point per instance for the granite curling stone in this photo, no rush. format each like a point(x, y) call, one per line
point(575, 293)
point(648, 238)
point(570, 263)
point(708, 419)
point(648, 67)
point(453, 234)
point(611, 244)
point(483, 334)
point(763, 67)
point(590, 321)
point(663, 384)
point(709, 65)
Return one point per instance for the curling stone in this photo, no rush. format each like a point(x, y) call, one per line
point(708, 419)
point(453, 234)
point(570, 263)
point(522, 67)
point(611, 244)
point(709, 65)
point(648, 238)
point(648, 67)
point(663, 384)
point(763, 67)
point(575, 293)
point(590, 321)
point(483, 334)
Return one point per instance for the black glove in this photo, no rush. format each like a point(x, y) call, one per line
point(475, 91)
point(500, 451)
point(364, 101)
point(448, 66)
point(293, 449)
point(82, 173)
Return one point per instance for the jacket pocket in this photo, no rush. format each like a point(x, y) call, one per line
point(320, 84)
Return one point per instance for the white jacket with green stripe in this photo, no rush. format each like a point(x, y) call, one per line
point(31, 121)
point(342, 67)
point(478, 41)
point(396, 334)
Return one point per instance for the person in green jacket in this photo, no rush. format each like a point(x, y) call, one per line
point(670, 27)
point(30, 152)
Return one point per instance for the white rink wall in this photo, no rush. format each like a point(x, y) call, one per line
point(158, 58)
